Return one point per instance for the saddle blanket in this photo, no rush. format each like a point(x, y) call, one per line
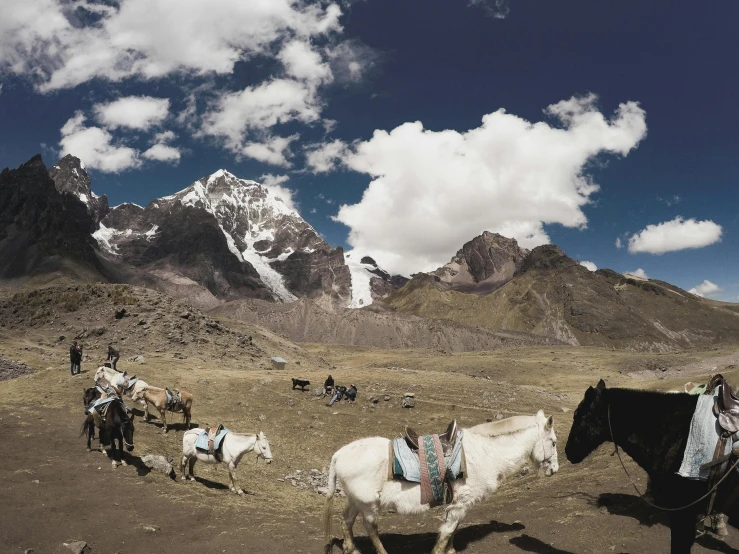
point(408, 466)
point(702, 439)
point(100, 403)
point(201, 443)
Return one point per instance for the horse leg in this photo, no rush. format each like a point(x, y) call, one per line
point(350, 516)
point(192, 467)
point(682, 531)
point(232, 476)
point(121, 452)
point(454, 514)
point(185, 459)
point(369, 519)
point(90, 433)
point(163, 415)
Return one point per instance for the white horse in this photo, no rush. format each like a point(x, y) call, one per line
point(492, 452)
point(121, 382)
point(233, 448)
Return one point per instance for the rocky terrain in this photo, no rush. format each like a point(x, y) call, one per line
point(552, 295)
point(305, 321)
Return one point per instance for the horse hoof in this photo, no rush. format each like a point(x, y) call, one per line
point(240, 491)
point(124, 463)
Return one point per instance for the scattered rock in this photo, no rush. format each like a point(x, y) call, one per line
point(62, 338)
point(565, 410)
point(203, 382)
point(10, 369)
point(262, 417)
point(409, 395)
point(408, 402)
point(375, 400)
point(137, 359)
point(151, 528)
point(185, 315)
point(78, 547)
point(120, 313)
point(386, 398)
point(318, 391)
point(314, 479)
point(159, 463)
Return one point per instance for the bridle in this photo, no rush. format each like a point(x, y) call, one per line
point(701, 499)
point(258, 448)
point(546, 459)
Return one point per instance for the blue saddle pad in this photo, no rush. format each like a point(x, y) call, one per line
point(406, 465)
point(201, 443)
point(99, 403)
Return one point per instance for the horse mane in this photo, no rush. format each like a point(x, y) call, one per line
point(506, 426)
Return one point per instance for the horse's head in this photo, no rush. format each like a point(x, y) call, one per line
point(262, 448)
point(589, 425)
point(127, 428)
point(88, 396)
point(137, 394)
point(99, 374)
point(544, 454)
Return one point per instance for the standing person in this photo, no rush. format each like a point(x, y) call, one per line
point(73, 358)
point(79, 358)
point(113, 356)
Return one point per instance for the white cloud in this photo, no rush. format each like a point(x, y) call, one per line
point(498, 9)
point(322, 158)
point(163, 153)
point(638, 273)
point(275, 150)
point(59, 44)
point(301, 61)
point(270, 180)
point(589, 265)
point(351, 60)
point(678, 234)
point(258, 108)
point(508, 175)
point(619, 244)
point(133, 112)
point(706, 288)
point(94, 146)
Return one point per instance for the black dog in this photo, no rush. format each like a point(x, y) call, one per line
point(300, 383)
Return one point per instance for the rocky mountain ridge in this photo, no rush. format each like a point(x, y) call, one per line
point(220, 239)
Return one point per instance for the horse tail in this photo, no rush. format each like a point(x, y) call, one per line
point(327, 512)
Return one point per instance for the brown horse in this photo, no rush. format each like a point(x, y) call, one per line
point(158, 398)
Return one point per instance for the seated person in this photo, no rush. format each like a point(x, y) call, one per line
point(328, 385)
point(339, 392)
point(351, 393)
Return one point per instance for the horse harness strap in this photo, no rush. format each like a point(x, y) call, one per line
point(711, 492)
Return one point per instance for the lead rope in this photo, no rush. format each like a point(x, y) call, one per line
point(701, 499)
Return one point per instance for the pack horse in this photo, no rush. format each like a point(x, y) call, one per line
point(165, 401)
point(492, 452)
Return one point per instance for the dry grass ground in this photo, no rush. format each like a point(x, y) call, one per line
point(53, 490)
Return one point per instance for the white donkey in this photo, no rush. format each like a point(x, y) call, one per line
point(121, 382)
point(492, 452)
point(233, 448)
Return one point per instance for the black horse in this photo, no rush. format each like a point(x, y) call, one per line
point(117, 425)
point(652, 428)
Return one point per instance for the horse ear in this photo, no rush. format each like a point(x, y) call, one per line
point(550, 422)
point(601, 385)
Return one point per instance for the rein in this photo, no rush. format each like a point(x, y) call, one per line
point(701, 499)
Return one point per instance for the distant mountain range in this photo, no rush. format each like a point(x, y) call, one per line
point(222, 238)
point(233, 244)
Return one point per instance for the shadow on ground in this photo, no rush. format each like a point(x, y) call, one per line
point(422, 543)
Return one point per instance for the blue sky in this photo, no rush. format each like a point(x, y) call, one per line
point(255, 91)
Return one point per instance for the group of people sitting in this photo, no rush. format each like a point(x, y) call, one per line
point(337, 392)
point(75, 357)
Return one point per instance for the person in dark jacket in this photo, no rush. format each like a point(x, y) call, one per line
point(339, 392)
point(351, 393)
point(113, 356)
point(328, 385)
point(73, 358)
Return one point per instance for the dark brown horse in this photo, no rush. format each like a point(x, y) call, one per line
point(114, 425)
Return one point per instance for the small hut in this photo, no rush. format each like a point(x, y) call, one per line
point(278, 363)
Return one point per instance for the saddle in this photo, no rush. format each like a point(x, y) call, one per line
point(726, 405)
point(174, 400)
point(212, 434)
point(448, 439)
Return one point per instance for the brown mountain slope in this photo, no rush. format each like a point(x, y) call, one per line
point(553, 295)
point(306, 321)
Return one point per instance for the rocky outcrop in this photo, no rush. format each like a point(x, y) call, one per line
point(483, 264)
point(320, 273)
point(41, 229)
point(70, 176)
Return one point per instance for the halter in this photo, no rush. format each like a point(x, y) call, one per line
point(545, 459)
point(258, 448)
point(701, 499)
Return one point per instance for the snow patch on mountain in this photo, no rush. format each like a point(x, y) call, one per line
point(361, 275)
point(104, 235)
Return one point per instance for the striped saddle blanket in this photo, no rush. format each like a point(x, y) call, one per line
point(429, 466)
